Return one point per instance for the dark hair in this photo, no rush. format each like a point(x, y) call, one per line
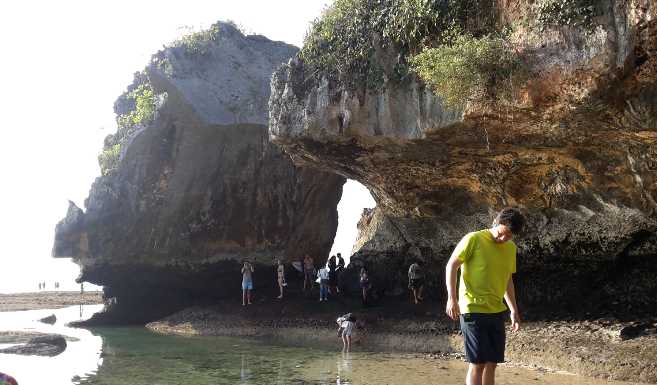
point(511, 217)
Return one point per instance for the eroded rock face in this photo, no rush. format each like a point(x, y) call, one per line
point(200, 188)
point(577, 151)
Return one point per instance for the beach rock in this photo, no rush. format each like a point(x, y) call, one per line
point(51, 319)
point(198, 188)
point(575, 149)
point(46, 345)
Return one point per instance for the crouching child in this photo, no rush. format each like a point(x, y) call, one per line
point(346, 324)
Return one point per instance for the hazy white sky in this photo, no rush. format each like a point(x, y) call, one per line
point(63, 64)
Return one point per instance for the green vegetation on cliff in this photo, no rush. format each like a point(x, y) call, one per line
point(197, 42)
point(143, 99)
point(342, 43)
point(133, 108)
point(466, 67)
point(109, 159)
point(576, 13)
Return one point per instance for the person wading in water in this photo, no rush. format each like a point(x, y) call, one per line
point(487, 259)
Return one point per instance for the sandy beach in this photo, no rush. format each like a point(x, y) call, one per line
point(48, 300)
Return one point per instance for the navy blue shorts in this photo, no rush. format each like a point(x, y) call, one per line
point(484, 337)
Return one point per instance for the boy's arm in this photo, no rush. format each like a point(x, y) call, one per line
point(452, 307)
point(510, 297)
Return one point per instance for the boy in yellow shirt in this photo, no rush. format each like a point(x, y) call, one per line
point(487, 259)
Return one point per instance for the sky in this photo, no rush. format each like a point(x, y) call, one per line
point(63, 64)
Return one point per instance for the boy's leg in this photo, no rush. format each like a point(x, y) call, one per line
point(243, 297)
point(475, 374)
point(419, 293)
point(489, 374)
point(348, 343)
point(248, 296)
point(344, 343)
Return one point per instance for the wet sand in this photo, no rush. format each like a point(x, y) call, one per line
point(48, 300)
point(363, 368)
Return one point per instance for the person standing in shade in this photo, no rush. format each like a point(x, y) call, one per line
point(308, 272)
point(280, 275)
point(247, 283)
point(339, 271)
point(487, 259)
point(416, 280)
point(323, 276)
point(365, 284)
point(333, 275)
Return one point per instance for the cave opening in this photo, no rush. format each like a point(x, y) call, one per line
point(355, 198)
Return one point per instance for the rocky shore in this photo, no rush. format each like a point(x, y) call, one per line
point(604, 348)
point(48, 300)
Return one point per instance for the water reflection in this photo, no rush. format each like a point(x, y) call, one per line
point(245, 371)
point(81, 357)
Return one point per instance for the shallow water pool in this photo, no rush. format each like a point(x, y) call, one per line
point(136, 356)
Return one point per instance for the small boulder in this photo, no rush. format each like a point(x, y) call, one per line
point(48, 345)
point(631, 331)
point(51, 319)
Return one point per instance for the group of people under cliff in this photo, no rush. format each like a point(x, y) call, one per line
point(329, 277)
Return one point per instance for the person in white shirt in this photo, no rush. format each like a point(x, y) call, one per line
point(323, 276)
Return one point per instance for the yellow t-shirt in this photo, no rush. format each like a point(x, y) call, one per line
point(485, 273)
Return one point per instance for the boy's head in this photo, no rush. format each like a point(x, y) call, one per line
point(507, 223)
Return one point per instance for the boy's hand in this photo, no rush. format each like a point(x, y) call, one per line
point(515, 322)
point(452, 309)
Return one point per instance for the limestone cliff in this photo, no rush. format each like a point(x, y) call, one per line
point(196, 187)
point(575, 146)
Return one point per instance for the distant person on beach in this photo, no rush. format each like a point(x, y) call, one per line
point(339, 271)
point(323, 276)
point(487, 259)
point(416, 280)
point(365, 284)
point(247, 283)
point(346, 327)
point(308, 272)
point(280, 277)
point(81, 287)
point(333, 275)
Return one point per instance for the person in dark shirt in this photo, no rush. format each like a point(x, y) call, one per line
point(339, 271)
point(333, 274)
